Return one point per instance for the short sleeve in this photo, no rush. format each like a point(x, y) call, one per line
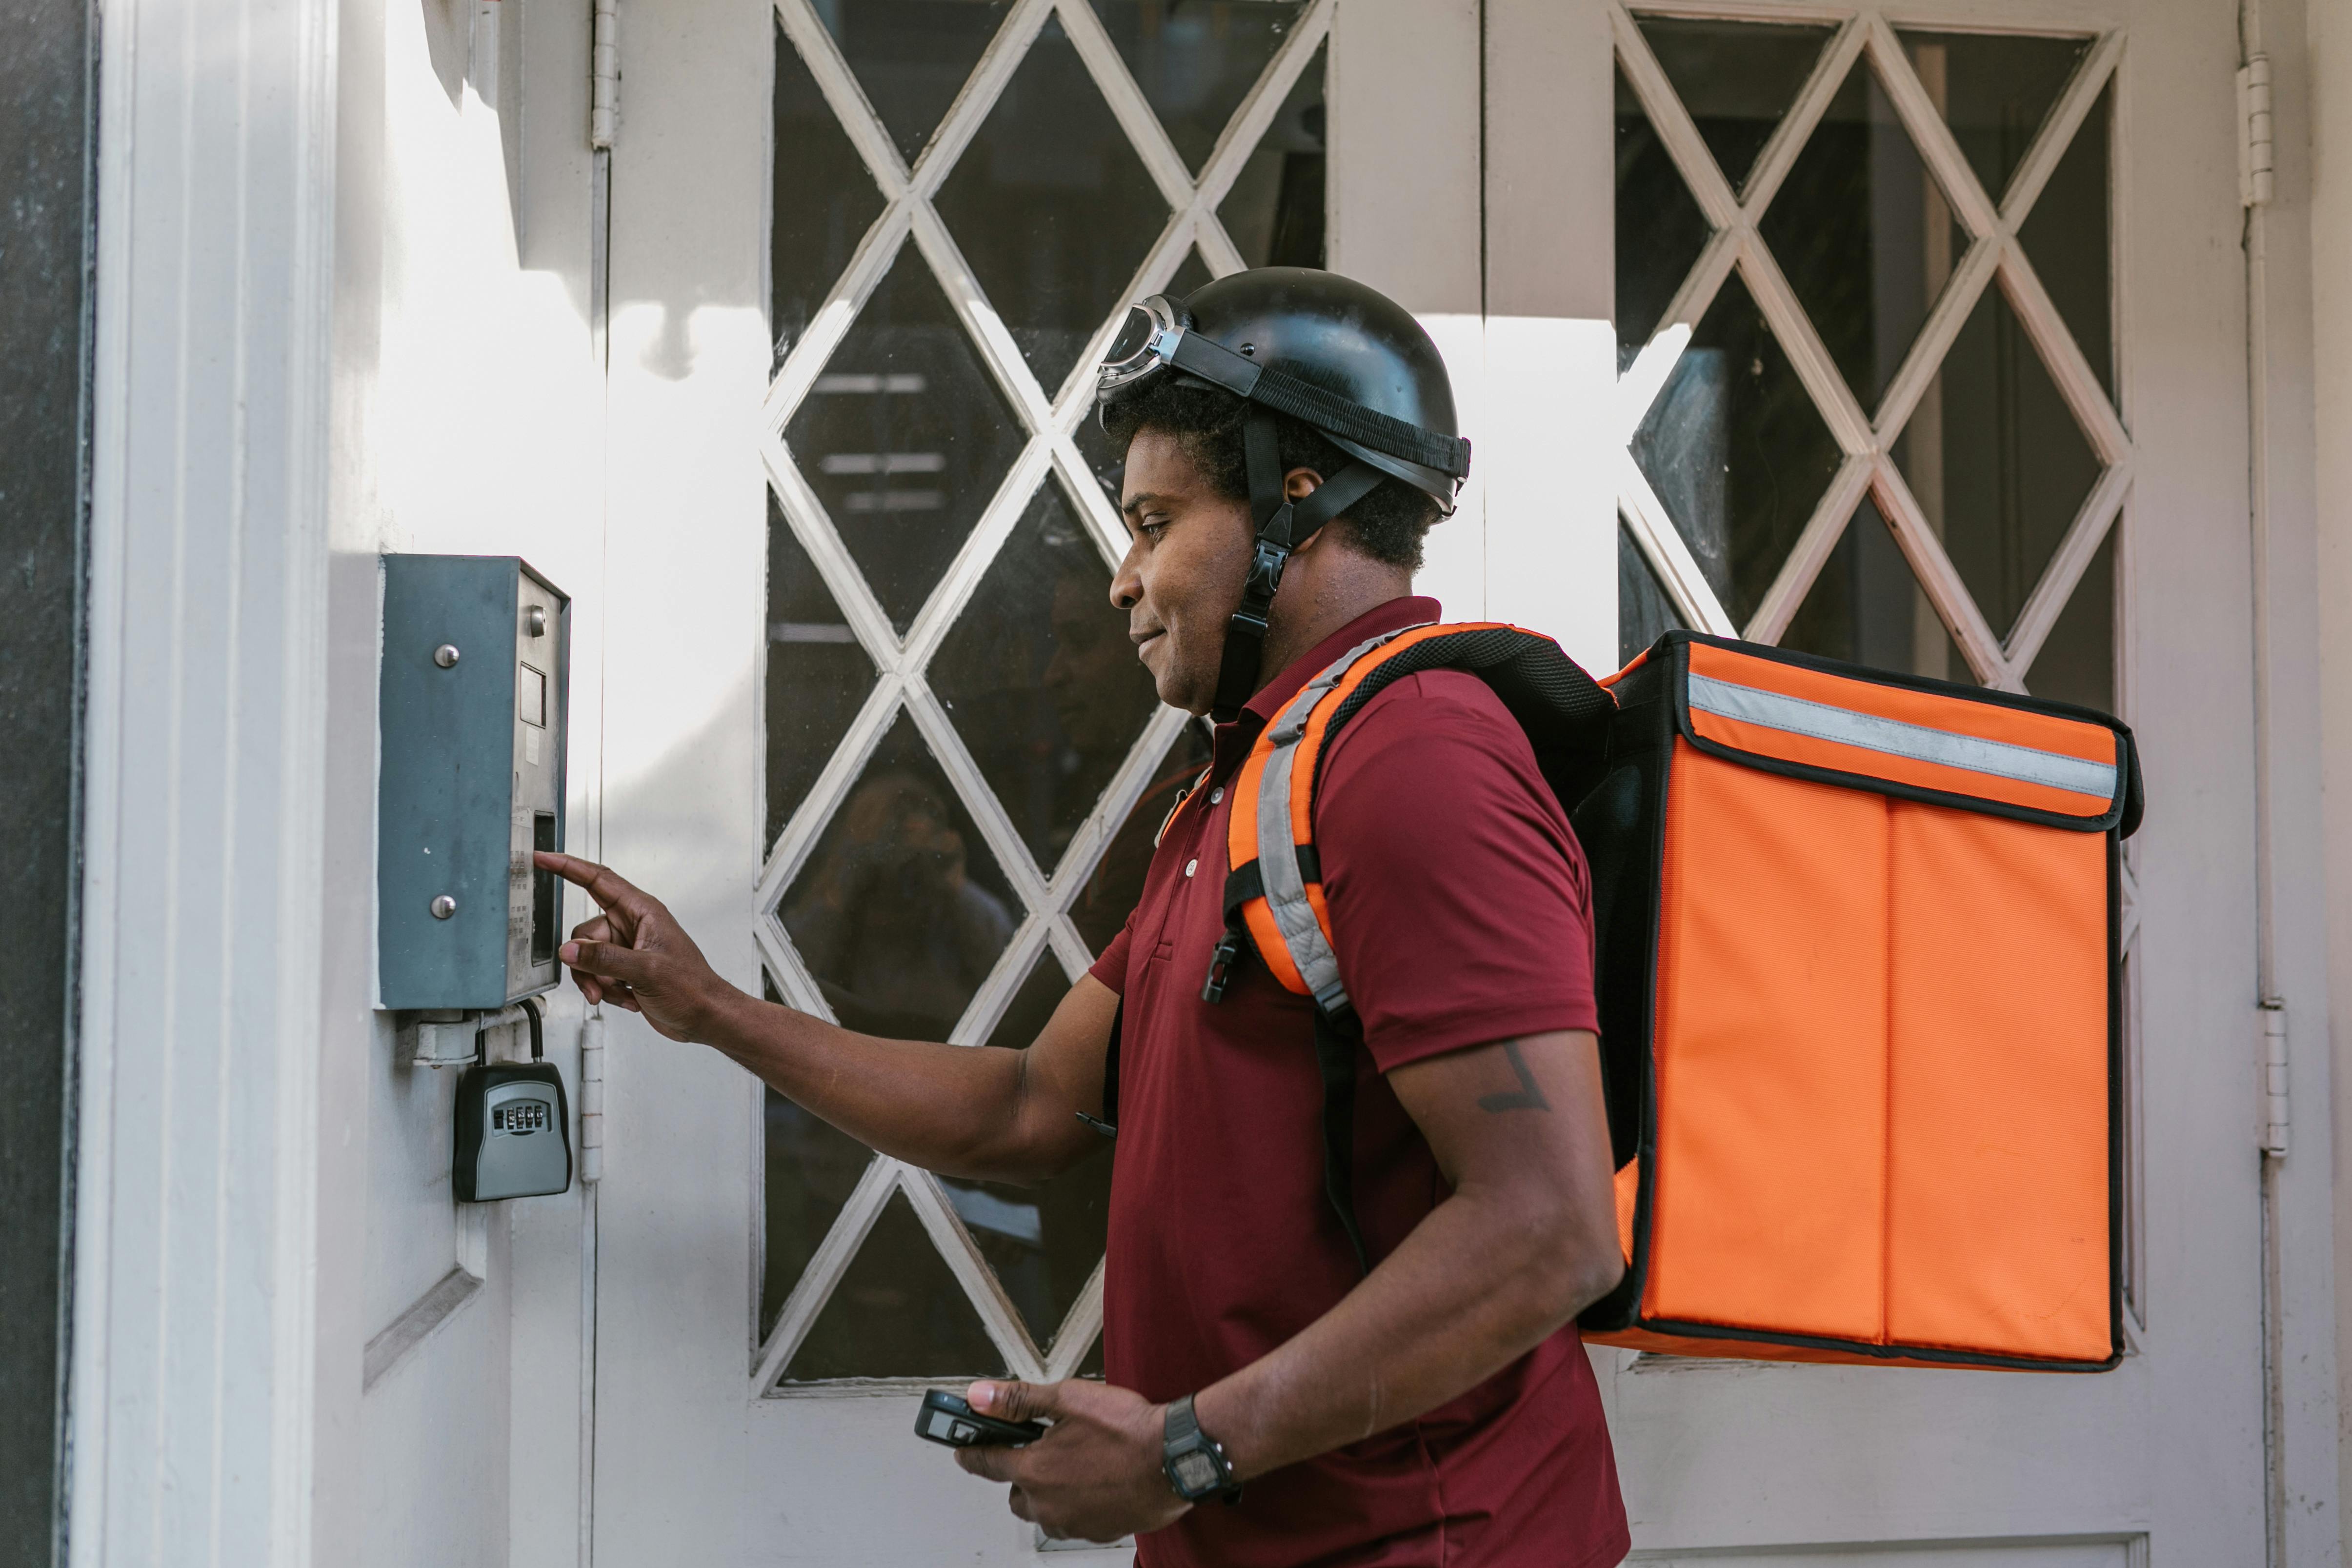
point(1111, 967)
point(1460, 900)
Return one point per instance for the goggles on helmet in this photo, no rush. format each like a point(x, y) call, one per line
point(1157, 336)
point(1144, 347)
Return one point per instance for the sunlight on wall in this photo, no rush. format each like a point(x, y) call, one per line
point(1533, 540)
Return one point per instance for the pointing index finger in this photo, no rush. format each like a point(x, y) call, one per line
point(607, 887)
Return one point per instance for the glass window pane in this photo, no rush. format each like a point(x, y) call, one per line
point(811, 1169)
point(1197, 59)
point(898, 1312)
point(1737, 79)
point(2066, 238)
point(1040, 679)
point(904, 437)
point(1996, 460)
point(1866, 607)
point(817, 679)
point(824, 201)
point(1645, 612)
point(1660, 230)
point(1052, 207)
point(1864, 234)
point(1994, 90)
point(901, 911)
point(1043, 1241)
point(1103, 905)
point(1736, 451)
point(912, 57)
point(2077, 662)
point(1273, 214)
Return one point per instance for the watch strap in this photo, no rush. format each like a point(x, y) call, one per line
point(1180, 1434)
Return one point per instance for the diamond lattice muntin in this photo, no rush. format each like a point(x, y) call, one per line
point(965, 765)
point(1864, 288)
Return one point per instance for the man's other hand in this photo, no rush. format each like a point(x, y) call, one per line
point(1096, 1475)
point(637, 955)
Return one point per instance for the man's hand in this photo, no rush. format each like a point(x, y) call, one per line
point(635, 956)
point(1096, 1476)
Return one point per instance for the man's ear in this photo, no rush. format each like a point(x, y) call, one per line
point(1300, 483)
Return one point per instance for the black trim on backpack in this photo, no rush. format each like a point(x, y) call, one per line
point(2123, 811)
point(1652, 711)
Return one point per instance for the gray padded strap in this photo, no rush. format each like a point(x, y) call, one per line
point(1277, 856)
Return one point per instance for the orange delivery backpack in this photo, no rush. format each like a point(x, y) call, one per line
point(1857, 962)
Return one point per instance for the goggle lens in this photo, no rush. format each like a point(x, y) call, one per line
point(1135, 335)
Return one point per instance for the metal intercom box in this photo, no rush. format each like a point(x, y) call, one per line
point(473, 695)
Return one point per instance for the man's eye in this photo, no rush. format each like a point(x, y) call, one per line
point(1152, 531)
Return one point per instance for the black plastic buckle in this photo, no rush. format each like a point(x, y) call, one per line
point(1265, 571)
point(1221, 965)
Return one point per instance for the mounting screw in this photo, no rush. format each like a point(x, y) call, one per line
point(534, 620)
point(443, 907)
point(446, 655)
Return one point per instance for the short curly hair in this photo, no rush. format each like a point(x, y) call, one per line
point(1388, 524)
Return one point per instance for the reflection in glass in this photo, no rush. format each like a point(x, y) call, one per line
point(1197, 59)
point(1043, 1241)
point(817, 679)
point(1866, 607)
point(1273, 214)
point(1996, 460)
point(1052, 207)
point(904, 437)
point(1737, 79)
point(2077, 662)
point(901, 911)
point(824, 201)
point(2065, 237)
point(1040, 679)
point(1660, 230)
point(912, 57)
point(1110, 896)
point(1864, 234)
point(1994, 90)
point(1644, 611)
point(811, 1168)
point(898, 1312)
point(1735, 451)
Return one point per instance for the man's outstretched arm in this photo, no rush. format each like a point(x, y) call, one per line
point(976, 1112)
point(1527, 1240)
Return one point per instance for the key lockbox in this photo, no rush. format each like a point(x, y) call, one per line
point(471, 720)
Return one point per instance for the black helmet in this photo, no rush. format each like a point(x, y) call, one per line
point(1324, 350)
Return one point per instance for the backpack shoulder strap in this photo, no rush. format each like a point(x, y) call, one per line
point(1274, 893)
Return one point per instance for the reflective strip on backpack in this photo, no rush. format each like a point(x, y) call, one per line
point(1892, 737)
point(1277, 852)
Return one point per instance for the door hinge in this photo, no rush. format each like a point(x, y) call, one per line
point(2276, 1100)
point(604, 76)
point(2254, 135)
point(591, 1098)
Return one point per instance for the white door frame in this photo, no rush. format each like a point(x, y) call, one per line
point(195, 1249)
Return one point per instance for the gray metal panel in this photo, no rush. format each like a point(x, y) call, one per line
point(445, 786)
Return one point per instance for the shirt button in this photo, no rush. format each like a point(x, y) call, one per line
point(1191, 866)
point(1216, 795)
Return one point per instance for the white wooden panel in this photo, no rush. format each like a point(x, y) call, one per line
point(195, 1249)
point(687, 553)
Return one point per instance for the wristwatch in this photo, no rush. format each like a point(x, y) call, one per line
point(1194, 1462)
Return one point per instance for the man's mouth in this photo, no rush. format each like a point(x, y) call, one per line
point(1145, 639)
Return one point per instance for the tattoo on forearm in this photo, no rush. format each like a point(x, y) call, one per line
point(1527, 1097)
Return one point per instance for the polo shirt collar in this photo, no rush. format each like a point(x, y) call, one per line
point(1234, 740)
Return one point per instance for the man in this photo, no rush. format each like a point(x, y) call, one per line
point(1434, 1410)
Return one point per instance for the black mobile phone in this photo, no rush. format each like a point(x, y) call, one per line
point(946, 1418)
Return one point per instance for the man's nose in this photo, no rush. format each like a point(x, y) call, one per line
point(1127, 583)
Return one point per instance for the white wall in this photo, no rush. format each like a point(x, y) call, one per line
point(468, 419)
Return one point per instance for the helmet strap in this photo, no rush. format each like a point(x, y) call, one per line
point(1282, 524)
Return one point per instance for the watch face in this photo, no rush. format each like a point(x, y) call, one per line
point(1195, 1471)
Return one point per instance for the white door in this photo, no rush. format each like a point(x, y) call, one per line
point(1922, 328)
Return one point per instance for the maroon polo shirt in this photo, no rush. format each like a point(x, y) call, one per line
point(1461, 913)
